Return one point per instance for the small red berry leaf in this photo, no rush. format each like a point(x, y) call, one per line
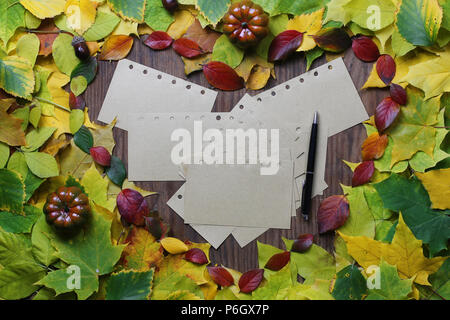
point(333, 212)
point(196, 255)
point(76, 102)
point(333, 40)
point(385, 113)
point(187, 48)
point(250, 280)
point(158, 40)
point(302, 243)
point(278, 261)
point(365, 49)
point(398, 94)
point(386, 68)
point(132, 207)
point(222, 76)
point(101, 156)
point(373, 147)
point(221, 276)
point(363, 172)
point(284, 45)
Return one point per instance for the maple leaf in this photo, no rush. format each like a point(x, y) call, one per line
point(278, 285)
point(391, 286)
point(142, 251)
point(349, 284)
point(432, 76)
point(414, 130)
point(436, 184)
point(405, 251)
point(308, 24)
point(431, 226)
point(96, 187)
point(91, 251)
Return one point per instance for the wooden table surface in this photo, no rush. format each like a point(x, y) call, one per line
point(343, 146)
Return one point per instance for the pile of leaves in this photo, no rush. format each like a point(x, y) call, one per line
point(392, 224)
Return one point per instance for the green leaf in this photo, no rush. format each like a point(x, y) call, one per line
point(226, 52)
point(440, 284)
point(116, 172)
point(129, 10)
point(31, 22)
point(104, 24)
point(42, 164)
point(87, 69)
point(91, 251)
point(350, 284)
point(399, 45)
point(12, 192)
point(21, 272)
point(42, 248)
point(97, 188)
point(129, 285)
point(278, 24)
point(368, 19)
point(35, 116)
point(391, 286)
point(37, 137)
point(418, 21)
point(78, 85)
point(411, 198)
point(213, 11)
point(446, 14)
point(295, 7)
point(64, 54)
point(42, 76)
point(4, 154)
point(23, 114)
point(265, 252)
point(16, 223)
point(277, 285)
point(28, 47)
point(16, 76)
point(156, 16)
point(76, 120)
point(12, 15)
point(164, 285)
point(83, 139)
point(18, 164)
point(32, 183)
point(312, 55)
point(316, 263)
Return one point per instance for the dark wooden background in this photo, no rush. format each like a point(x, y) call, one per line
point(345, 145)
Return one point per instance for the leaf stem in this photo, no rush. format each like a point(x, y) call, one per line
point(52, 103)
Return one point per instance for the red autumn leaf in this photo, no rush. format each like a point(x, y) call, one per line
point(250, 280)
point(365, 49)
point(132, 207)
point(221, 276)
point(187, 48)
point(284, 44)
point(76, 102)
point(278, 261)
point(49, 32)
point(158, 40)
point(398, 94)
point(222, 76)
point(386, 68)
point(373, 147)
point(196, 255)
point(302, 243)
point(205, 37)
point(333, 212)
point(116, 47)
point(101, 156)
point(385, 113)
point(363, 172)
point(333, 40)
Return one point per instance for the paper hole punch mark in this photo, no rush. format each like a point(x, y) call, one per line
point(231, 118)
point(172, 118)
point(241, 107)
point(187, 118)
point(180, 196)
point(259, 100)
point(202, 92)
point(218, 118)
point(273, 93)
point(287, 87)
point(145, 71)
point(316, 74)
point(159, 76)
point(330, 67)
point(156, 118)
point(131, 67)
point(174, 81)
point(188, 87)
point(302, 80)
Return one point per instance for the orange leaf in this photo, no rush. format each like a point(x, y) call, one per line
point(373, 147)
point(116, 47)
point(142, 252)
point(10, 127)
point(47, 39)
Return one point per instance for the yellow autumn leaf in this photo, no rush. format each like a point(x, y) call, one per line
point(183, 20)
point(80, 14)
point(437, 184)
point(60, 120)
point(258, 78)
point(126, 28)
point(44, 8)
point(405, 252)
point(174, 245)
point(195, 64)
point(432, 76)
point(309, 25)
point(97, 188)
point(403, 65)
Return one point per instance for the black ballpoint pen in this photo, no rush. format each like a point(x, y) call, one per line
point(308, 183)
